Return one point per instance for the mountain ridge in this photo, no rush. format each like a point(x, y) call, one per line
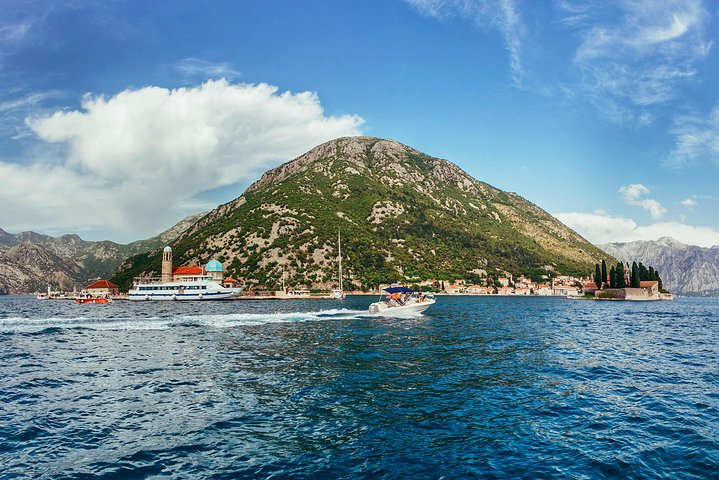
point(404, 216)
point(685, 269)
point(30, 261)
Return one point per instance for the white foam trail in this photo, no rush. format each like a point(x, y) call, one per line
point(238, 319)
point(30, 325)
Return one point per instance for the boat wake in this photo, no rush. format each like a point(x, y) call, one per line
point(227, 320)
point(239, 319)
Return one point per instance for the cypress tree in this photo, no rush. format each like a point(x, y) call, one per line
point(636, 281)
point(597, 275)
point(612, 278)
point(619, 272)
point(604, 271)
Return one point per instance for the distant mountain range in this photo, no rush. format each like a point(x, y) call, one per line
point(685, 269)
point(30, 261)
point(403, 215)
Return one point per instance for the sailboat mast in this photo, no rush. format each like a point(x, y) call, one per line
point(339, 254)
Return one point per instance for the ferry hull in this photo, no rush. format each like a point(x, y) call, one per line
point(223, 294)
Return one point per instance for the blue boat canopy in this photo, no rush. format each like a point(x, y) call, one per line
point(398, 289)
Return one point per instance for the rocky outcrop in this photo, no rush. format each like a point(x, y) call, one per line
point(685, 269)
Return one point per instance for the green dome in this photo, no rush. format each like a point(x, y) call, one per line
point(214, 266)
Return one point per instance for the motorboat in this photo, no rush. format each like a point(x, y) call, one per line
point(91, 299)
point(401, 301)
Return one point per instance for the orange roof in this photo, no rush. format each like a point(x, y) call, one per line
point(648, 283)
point(102, 284)
point(230, 280)
point(590, 284)
point(192, 270)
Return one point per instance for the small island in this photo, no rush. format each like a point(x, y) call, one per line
point(625, 283)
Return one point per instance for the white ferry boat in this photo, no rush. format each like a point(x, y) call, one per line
point(184, 283)
point(203, 287)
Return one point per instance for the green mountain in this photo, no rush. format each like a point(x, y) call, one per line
point(404, 216)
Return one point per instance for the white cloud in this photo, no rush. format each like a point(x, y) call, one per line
point(640, 56)
point(502, 15)
point(689, 202)
point(696, 139)
point(130, 160)
point(601, 228)
point(631, 194)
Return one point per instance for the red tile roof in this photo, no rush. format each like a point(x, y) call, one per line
point(192, 270)
point(230, 280)
point(102, 284)
point(648, 283)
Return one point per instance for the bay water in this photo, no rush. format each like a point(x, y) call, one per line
point(488, 387)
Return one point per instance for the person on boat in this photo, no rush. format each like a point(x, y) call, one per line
point(422, 297)
point(398, 298)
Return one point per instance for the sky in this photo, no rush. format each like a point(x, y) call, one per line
point(119, 118)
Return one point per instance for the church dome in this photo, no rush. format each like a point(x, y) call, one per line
point(167, 249)
point(213, 266)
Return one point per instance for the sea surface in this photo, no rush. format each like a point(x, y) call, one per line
point(477, 387)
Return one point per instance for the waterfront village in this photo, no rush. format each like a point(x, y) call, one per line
point(561, 285)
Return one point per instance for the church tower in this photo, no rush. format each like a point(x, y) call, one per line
point(167, 265)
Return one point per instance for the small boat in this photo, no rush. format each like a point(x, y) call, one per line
point(90, 299)
point(408, 303)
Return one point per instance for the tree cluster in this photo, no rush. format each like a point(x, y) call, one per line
point(620, 276)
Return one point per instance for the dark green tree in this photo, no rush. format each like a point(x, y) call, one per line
point(612, 278)
point(597, 275)
point(636, 280)
point(619, 273)
point(604, 271)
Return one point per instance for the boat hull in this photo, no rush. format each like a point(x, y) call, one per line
point(410, 309)
point(92, 300)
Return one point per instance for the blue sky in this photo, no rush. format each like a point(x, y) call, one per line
point(118, 118)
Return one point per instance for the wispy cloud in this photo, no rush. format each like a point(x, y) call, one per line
point(599, 227)
point(696, 139)
point(639, 56)
point(195, 67)
point(502, 15)
point(14, 32)
point(632, 195)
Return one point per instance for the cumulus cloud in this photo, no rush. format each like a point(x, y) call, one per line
point(640, 55)
point(600, 228)
point(129, 161)
point(631, 194)
point(502, 15)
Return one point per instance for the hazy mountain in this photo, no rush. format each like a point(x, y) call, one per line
point(29, 260)
point(403, 215)
point(685, 269)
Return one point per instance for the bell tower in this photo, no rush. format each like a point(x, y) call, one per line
point(167, 265)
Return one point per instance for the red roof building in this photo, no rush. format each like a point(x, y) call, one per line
point(191, 270)
point(102, 288)
point(102, 284)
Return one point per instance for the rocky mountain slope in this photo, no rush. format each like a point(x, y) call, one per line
point(29, 260)
point(404, 216)
point(685, 269)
